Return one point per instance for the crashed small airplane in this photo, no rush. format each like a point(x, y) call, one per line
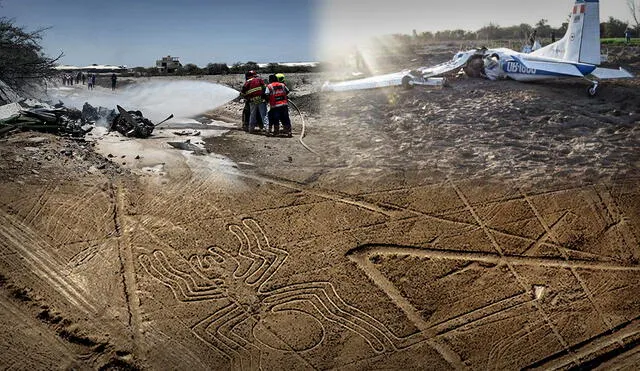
point(577, 54)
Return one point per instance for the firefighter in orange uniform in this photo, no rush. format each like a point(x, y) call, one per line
point(277, 93)
point(253, 91)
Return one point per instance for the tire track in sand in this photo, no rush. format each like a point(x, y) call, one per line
point(127, 267)
point(20, 238)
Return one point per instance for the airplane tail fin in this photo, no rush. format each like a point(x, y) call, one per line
point(581, 43)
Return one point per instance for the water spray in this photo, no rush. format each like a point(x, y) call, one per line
point(156, 99)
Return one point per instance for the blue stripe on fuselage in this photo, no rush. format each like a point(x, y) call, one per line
point(520, 68)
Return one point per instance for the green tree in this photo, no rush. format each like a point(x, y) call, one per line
point(237, 68)
point(489, 32)
point(21, 56)
point(562, 29)
point(191, 69)
point(543, 28)
point(217, 68)
point(634, 9)
point(273, 68)
point(425, 36)
point(251, 66)
point(613, 28)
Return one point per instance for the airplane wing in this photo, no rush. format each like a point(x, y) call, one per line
point(458, 61)
point(395, 79)
point(610, 73)
point(380, 81)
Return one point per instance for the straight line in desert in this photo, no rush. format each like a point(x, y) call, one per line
point(126, 260)
point(617, 336)
point(485, 257)
point(387, 209)
point(326, 195)
point(521, 281)
point(410, 311)
point(565, 255)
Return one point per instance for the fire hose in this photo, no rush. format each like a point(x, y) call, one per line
point(302, 133)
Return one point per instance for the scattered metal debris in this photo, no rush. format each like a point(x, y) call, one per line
point(193, 133)
point(188, 146)
point(33, 115)
point(133, 124)
point(96, 114)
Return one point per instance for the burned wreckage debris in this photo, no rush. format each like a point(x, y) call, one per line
point(133, 124)
point(97, 114)
point(24, 114)
point(32, 115)
point(19, 114)
point(29, 114)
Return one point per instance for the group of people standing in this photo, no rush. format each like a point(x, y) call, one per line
point(68, 79)
point(266, 104)
point(89, 79)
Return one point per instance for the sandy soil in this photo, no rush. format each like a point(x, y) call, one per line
point(483, 225)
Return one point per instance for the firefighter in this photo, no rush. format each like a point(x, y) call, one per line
point(246, 111)
point(253, 91)
point(277, 93)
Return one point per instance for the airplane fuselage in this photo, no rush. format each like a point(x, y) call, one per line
point(525, 67)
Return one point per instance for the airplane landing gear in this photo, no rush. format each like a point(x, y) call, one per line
point(416, 78)
point(407, 81)
point(593, 90)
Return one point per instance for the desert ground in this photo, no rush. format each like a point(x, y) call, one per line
point(482, 225)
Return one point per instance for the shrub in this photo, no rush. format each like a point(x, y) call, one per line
point(21, 56)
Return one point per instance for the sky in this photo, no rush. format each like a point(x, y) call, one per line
point(345, 22)
point(137, 33)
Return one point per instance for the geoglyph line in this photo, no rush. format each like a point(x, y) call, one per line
point(596, 344)
point(480, 314)
point(86, 254)
point(63, 207)
point(20, 238)
point(125, 255)
point(326, 195)
point(513, 197)
point(523, 284)
point(484, 257)
point(565, 255)
point(544, 236)
point(217, 329)
point(361, 259)
point(392, 210)
point(183, 287)
point(441, 218)
point(614, 211)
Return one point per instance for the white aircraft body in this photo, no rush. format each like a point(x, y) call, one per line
point(577, 54)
